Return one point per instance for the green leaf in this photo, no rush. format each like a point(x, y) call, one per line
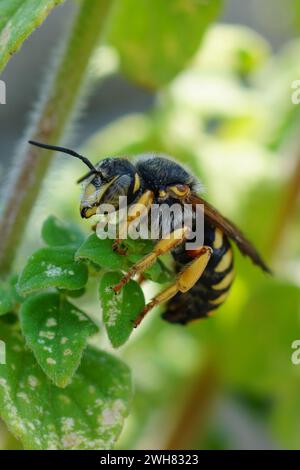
point(58, 233)
point(139, 246)
point(120, 310)
point(13, 282)
point(6, 299)
point(9, 297)
point(52, 267)
point(169, 31)
point(75, 294)
point(158, 273)
point(57, 333)
point(88, 414)
point(101, 253)
point(19, 18)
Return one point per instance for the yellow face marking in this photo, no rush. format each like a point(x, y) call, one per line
point(90, 212)
point(225, 282)
point(137, 183)
point(89, 191)
point(92, 197)
point(225, 262)
point(219, 300)
point(218, 242)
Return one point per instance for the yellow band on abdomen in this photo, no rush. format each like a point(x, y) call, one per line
point(220, 299)
point(225, 262)
point(218, 241)
point(225, 282)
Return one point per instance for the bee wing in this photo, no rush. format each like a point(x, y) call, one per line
point(217, 220)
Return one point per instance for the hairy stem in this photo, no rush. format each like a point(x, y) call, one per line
point(51, 121)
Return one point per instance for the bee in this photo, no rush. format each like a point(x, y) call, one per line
point(205, 273)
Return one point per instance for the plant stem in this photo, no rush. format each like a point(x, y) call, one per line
point(50, 123)
point(196, 409)
point(290, 199)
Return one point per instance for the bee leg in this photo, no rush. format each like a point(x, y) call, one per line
point(163, 246)
point(118, 249)
point(141, 279)
point(140, 208)
point(184, 282)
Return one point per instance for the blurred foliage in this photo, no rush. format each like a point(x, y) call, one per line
point(170, 32)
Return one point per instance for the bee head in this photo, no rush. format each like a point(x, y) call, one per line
point(105, 182)
point(115, 177)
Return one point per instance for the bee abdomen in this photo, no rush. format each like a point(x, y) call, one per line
point(211, 290)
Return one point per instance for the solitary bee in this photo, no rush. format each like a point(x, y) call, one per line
point(205, 273)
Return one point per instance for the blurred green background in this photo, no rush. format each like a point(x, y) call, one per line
point(227, 382)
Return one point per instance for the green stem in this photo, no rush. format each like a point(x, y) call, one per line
point(51, 121)
point(192, 418)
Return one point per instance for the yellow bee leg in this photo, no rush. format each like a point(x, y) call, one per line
point(163, 246)
point(184, 282)
point(190, 275)
point(162, 297)
point(138, 209)
point(141, 279)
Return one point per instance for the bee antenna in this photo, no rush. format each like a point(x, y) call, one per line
point(87, 175)
point(67, 151)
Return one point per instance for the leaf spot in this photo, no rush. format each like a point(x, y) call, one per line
point(68, 352)
point(53, 271)
point(47, 334)
point(33, 381)
point(24, 396)
point(51, 322)
point(50, 361)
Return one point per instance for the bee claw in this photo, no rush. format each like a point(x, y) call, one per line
point(122, 282)
point(116, 289)
point(143, 313)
